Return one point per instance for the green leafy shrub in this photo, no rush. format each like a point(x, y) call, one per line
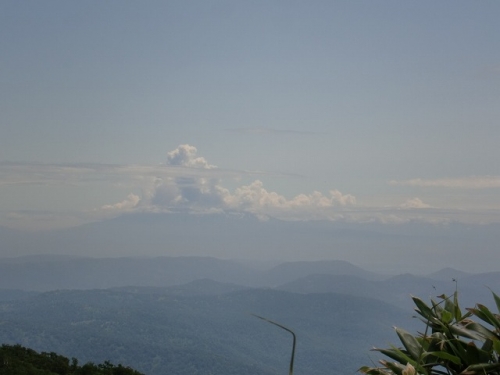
point(451, 344)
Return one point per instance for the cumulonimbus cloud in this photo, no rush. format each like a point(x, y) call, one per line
point(205, 193)
point(185, 155)
point(187, 182)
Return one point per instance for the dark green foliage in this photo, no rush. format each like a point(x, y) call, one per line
point(18, 360)
point(453, 342)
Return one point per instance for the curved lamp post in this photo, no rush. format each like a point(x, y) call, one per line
point(290, 372)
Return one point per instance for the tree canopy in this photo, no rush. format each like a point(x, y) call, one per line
point(18, 360)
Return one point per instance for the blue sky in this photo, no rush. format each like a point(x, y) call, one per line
point(337, 110)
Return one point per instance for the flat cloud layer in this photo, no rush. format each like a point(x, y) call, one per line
point(477, 182)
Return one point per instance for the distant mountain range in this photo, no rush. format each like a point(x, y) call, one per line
point(45, 273)
point(192, 315)
point(414, 247)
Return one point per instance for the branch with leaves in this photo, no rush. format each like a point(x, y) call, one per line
point(453, 343)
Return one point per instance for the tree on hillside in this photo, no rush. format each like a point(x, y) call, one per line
point(453, 343)
point(18, 360)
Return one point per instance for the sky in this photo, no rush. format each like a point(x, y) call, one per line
point(344, 111)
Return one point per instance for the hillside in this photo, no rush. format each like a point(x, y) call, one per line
point(17, 360)
point(158, 332)
point(24, 276)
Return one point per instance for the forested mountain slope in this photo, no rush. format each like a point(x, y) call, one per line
point(158, 332)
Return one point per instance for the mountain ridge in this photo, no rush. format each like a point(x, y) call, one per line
point(409, 247)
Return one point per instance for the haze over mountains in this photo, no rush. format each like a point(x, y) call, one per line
point(45, 273)
point(387, 248)
point(174, 293)
point(192, 315)
point(168, 168)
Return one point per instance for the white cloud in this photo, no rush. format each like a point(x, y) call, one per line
point(207, 193)
point(475, 182)
point(344, 200)
point(189, 183)
point(185, 155)
point(414, 203)
point(188, 192)
point(255, 197)
point(130, 202)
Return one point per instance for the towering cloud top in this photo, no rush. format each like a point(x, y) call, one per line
point(185, 156)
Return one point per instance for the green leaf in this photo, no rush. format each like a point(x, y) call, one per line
point(395, 354)
point(446, 317)
point(480, 329)
point(436, 307)
point(410, 343)
point(497, 301)
point(371, 370)
point(457, 349)
point(449, 306)
point(466, 332)
point(455, 342)
point(482, 368)
point(446, 356)
point(496, 346)
point(396, 368)
point(475, 355)
point(493, 320)
point(407, 359)
point(487, 346)
point(423, 309)
point(438, 341)
point(480, 314)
